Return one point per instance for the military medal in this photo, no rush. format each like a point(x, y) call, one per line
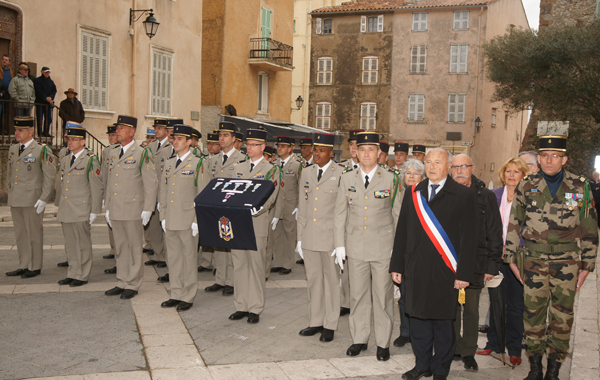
point(461, 296)
point(217, 185)
point(256, 187)
point(227, 196)
point(29, 168)
point(306, 196)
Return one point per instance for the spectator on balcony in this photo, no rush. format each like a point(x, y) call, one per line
point(6, 75)
point(22, 91)
point(45, 91)
point(71, 108)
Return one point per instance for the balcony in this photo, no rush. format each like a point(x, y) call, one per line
point(269, 54)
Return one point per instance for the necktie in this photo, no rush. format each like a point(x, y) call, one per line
point(158, 146)
point(319, 175)
point(21, 149)
point(251, 167)
point(72, 160)
point(177, 163)
point(282, 163)
point(224, 158)
point(366, 181)
point(433, 191)
point(121, 154)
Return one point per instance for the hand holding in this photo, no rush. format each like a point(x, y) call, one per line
point(458, 284)
point(397, 277)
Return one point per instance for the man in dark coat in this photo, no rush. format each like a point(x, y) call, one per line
point(433, 277)
point(71, 108)
point(45, 91)
point(487, 261)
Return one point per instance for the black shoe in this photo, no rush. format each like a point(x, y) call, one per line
point(326, 335)
point(470, 363)
point(253, 318)
point(344, 311)
point(170, 303)
point(552, 369)
point(161, 264)
point(148, 251)
point(128, 294)
point(114, 291)
point(401, 341)
point(285, 271)
point(415, 374)
point(164, 278)
point(228, 290)
point(151, 262)
point(31, 273)
point(202, 269)
point(439, 377)
point(112, 270)
point(301, 261)
point(63, 264)
point(111, 256)
point(213, 288)
point(66, 281)
point(383, 354)
point(183, 306)
point(17, 272)
point(484, 329)
point(456, 357)
point(276, 269)
point(238, 315)
point(310, 331)
point(355, 349)
point(535, 368)
point(77, 283)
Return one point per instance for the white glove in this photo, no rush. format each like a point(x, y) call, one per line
point(108, 219)
point(93, 217)
point(162, 224)
point(40, 206)
point(103, 203)
point(274, 223)
point(295, 212)
point(300, 250)
point(157, 206)
point(194, 229)
point(146, 217)
point(340, 256)
point(254, 211)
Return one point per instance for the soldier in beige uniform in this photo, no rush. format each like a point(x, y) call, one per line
point(366, 213)
point(318, 191)
point(61, 153)
point(306, 151)
point(400, 156)
point(30, 177)
point(182, 180)
point(130, 200)
point(113, 143)
point(418, 152)
point(249, 265)
point(79, 201)
point(223, 165)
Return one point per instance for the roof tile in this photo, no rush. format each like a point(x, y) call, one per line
point(391, 5)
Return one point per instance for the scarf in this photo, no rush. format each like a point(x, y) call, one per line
point(505, 207)
point(554, 181)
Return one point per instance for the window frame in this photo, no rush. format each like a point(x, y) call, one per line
point(370, 71)
point(455, 116)
point(263, 92)
point(324, 25)
point(171, 55)
point(419, 98)
point(461, 20)
point(420, 21)
point(458, 49)
point(323, 118)
point(364, 24)
point(418, 55)
point(324, 72)
point(370, 117)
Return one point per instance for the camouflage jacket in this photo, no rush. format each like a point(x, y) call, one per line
point(568, 217)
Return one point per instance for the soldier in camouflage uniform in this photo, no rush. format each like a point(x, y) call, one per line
point(553, 212)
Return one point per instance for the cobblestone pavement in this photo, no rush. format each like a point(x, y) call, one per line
point(56, 332)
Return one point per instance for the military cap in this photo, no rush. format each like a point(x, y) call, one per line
point(162, 122)
point(418, 148)
point(306, 141)
point(558, 143)
point(23, 122)
point(72, 124)
point(111, 128)
point(352, 134)
point(284, 140)
point(324, 139)
point(173, 122)
point(227, 126)
point(213, 137)
point(182, 130)
point(196, 133)
point(367, 138)
point(239, 136)
point(269, 150)
point(256, 134)
point(76, 132)
point(150, 132)
point(400, 147)
point(129, 121)
point(385, 147)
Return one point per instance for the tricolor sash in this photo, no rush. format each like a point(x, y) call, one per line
point(435, 231)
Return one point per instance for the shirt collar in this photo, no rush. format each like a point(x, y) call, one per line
point(184, 156)
point(286, 160)
point(325, 167)
point(128, 146)
point(441, 185)
point(230, 153)
point(257, 161)
point(164, 141)
point(78, 154)
point(27, 143)
point(370, 174)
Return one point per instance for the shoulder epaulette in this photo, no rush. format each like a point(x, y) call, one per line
point(308, 165)
point(583, 179)
point(342, 165)
point(347, 169)
point(239, 162)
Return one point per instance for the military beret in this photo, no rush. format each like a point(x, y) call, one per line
point(161, 122)
point(196, 133)
point(306, 141)
point(239, 136)
point(269, 150)
point(111, 128)
point(72, 124)
point(284, 140)
point(227, 126)
point(150, 132)
point(182, 130)
point(213, 137)
point(173, 122)
point(76, 132)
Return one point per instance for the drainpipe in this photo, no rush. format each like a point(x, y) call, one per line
point(477, 77)
point(133, 64)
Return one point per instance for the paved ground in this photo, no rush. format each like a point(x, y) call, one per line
point(57, 332)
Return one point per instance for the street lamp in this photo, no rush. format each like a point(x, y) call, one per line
point(299, 103)
point(477, 123)
point(150, 24)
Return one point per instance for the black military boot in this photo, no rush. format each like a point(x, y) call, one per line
point(552, 370)
point(535, 368)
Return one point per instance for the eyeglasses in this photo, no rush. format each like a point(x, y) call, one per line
point(553, 156)
point(462, 167)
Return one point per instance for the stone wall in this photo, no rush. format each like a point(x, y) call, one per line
point(566, 12)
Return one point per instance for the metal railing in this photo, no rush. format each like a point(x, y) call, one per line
point(52, 135)
point(271, 49)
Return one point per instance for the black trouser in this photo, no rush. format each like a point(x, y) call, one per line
point(427, 335)
point(468, 314)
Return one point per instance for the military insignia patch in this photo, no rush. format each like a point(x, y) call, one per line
point(79, 168)
point(380, 194)
point(225, 229)
point(98, 171)
point(128, 162)
point(187, 172)
point(29, 160)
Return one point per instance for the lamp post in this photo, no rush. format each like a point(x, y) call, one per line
point(150, 24)
point(299, 103)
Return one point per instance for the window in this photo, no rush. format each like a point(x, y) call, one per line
point(461, 20)
point(419, 22)
point(458, 58)
point(263, 92)
point(325, 71)
point(323, 115)
point(418, 59)
point(456, 108)
point(368, 116)
point(370, 66)
point(494, 117)
point(371, 24)
point(416, 107)
point(94, 71)
point(327, 26)
point(162, 74)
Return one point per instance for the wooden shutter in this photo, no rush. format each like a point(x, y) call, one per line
point(453, 58)
point(380, 23)
point(462, 66)
point(328, 71)
point(94, 71)
point(374, 69)
point(412, 108)
point(319, 26)
point(363, 24)
point(320, 69)
point(461, 20)
point(451, 108)
point(372, 114)
point(460, 108)
point(162, 74)
point(420, 107)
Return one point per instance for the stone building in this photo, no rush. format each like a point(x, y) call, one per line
point(568, 12)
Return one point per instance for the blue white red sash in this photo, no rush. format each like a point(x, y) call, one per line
point(435, 231)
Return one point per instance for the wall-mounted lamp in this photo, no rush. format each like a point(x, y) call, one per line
point(477, 123)
point(299, 103)
point(150, 24)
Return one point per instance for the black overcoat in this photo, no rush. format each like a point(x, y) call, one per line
point(430, 292)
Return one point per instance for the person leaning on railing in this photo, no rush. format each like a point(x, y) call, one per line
point(22, 91)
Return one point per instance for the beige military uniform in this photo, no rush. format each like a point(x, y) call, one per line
point(315, 231)
point(205, 254)
point(222, 257)
point(30, 177)
point(78, 194)
point(345, 292)
point(131, 188)
point(61, 153)
point(365, 224)
point(249, 266)
point(179, 186)
point(104, 177)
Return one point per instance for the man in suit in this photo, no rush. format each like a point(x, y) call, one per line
point(182, 180)
point(79, 201)
point(129, 205)
point(286, 207)
point(223, 165)
point(366, 211)
point(434, 252)
point(111, 131)
point(30, 176)
point(318, 191)
point(249, 265)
